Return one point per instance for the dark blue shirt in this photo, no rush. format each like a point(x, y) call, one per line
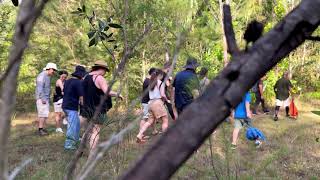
point(72, 91)
point(241, 112)
point(185, 82)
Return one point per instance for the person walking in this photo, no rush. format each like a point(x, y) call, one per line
point(95, 87)
point(186, 85)
point(157, 109)
point(145, 98)
point(73, 96)
point(242, 116)
point(282, 90)
point(57, 100)
point(42, 95)
point(258, 91)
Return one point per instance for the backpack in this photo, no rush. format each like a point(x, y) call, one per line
point(293, 111)
point(254, 134)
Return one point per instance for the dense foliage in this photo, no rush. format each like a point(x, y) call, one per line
point(64, 37)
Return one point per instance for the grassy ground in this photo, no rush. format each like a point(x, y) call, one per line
point(292, 151)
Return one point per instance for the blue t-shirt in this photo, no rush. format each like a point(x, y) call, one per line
point(72, 91)
point(185, 82)
point(240, 111)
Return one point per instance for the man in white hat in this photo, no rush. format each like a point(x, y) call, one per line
point(43, 95)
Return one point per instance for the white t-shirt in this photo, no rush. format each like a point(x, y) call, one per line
point(155, 93)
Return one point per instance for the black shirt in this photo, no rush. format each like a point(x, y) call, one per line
point(145, 99)
point(282, 88)
point(72, 91)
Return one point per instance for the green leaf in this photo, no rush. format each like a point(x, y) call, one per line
point(91, 34)
point(102, 24)
point(92, 42)
point(103, 36)
point(83, 8)
point(106, 28)
point(113, 25)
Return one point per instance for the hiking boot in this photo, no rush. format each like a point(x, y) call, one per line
point(275, 118)
point(59, 130)
point(43, 132)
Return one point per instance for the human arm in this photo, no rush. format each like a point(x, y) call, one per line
point(40, 84)
point(162, 91)
point(102, 84)
point(247, 104)
point(60, 84)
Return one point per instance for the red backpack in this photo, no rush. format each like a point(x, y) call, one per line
point(293, 111)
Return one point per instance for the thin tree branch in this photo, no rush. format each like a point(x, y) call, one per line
point(102, 148)
point(228, 31)
point(16, 171)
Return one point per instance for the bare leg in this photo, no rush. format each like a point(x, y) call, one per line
point(235, 136)
point(58, 117)
point(165, 123)
point(42, 122)
point(142, 122)
point(94, 137)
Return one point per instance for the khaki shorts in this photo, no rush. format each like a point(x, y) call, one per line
point(57, 106)
point(157, 109)
point(283, 103)
point(43, 109)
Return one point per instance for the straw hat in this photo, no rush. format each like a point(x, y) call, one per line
point(101, 64)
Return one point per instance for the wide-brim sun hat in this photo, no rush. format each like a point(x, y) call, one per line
point(79, 72)
point(191, 63)
point(51, 66)
point(101, 64)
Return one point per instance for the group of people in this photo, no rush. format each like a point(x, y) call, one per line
point(164, 98)
point(242, 114)
point(78, 97)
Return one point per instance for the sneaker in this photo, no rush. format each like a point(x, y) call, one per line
point(258, 143)
point(275, 118)
point(233, 146)
point(42, 132)
point(59, 130)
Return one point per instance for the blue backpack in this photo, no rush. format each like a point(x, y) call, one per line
point(254, 133)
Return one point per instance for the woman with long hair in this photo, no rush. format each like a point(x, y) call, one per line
point(157, 109)
point(57, 100)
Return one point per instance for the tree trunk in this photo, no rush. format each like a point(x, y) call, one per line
point(224, 40)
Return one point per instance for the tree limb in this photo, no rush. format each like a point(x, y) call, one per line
point(228, 31)
point(200, 118)
point(16, 171)
point(27, 16)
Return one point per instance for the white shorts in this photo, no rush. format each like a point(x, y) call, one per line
point(145, 110)
point(43, 109)
point(283, 103)
point(57, 106)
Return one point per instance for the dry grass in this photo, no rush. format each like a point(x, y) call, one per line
point(291, 151)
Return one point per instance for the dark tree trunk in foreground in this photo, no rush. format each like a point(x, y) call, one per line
point(225, 92)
